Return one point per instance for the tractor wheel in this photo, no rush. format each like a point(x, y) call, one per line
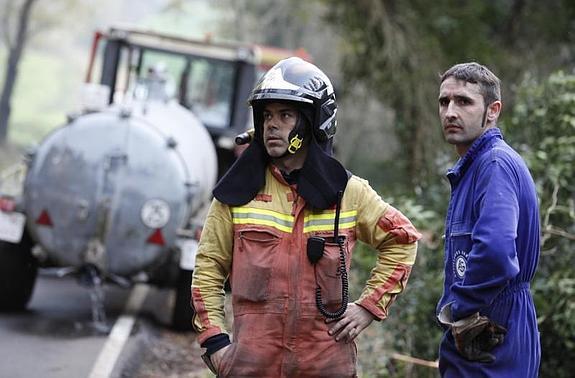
point(18, 271)
point(183, 311)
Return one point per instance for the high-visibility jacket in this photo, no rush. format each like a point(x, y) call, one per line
point(277, 328)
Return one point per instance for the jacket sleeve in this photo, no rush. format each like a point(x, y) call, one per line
point(394, 238)
point(213, 262)
point(492, 261)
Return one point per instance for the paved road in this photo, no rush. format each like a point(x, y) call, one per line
point(55, 337)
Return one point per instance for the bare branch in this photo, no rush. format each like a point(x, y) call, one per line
point(546, 225)
point(14, 55)
point(551, 230)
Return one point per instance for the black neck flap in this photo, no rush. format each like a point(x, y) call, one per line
point(321, 178)
point(245, 177)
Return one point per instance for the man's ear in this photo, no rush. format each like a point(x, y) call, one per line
point(493, 111)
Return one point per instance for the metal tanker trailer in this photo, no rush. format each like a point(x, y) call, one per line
point(119, 195)
point(113, 188)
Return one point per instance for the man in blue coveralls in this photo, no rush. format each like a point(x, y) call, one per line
point(491, 237)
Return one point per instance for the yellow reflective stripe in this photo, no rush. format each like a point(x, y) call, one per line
point(329, 222)
point(275, 214)
point(325, 221)
point(284, 222)
point(263, 217)
point(330, 215)
point(328, 227)
point(263, 223)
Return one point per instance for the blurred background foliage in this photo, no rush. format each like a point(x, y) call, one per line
point(542, 126)
point(385, 58)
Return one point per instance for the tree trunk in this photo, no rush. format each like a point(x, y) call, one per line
point(14, 55)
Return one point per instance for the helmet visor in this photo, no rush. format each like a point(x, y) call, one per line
point(280, 94)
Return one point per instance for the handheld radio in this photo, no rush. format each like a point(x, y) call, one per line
point(315, 250)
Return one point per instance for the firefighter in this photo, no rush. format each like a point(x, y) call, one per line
point(282, 226)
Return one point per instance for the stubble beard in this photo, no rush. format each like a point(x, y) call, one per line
point(276, 151)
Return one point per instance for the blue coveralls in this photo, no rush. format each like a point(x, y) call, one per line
point(491, 253)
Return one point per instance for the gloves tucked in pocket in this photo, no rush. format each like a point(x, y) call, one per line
point(475, 336)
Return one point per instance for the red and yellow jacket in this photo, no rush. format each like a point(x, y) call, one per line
point(261, 246)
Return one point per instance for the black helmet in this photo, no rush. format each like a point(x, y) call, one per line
point(294, 79)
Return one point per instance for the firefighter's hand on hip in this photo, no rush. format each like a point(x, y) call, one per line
point(352, 323)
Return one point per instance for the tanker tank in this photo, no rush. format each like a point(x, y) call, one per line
point(112, 188)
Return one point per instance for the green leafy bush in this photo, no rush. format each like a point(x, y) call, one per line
point(543, 126)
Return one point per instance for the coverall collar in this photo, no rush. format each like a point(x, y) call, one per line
point(458, 170)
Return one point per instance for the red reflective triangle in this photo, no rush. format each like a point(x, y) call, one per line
point(7, 204)
point(44, 219)
point(156, 238)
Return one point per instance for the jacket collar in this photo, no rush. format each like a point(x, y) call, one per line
point(477, 148)
point(277, 173)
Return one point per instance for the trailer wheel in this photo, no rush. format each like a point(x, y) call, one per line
point(18, 271)
point(183, 311)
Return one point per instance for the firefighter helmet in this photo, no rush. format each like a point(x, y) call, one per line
point(296, 80)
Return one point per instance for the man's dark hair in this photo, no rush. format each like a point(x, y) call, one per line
point(472, 72)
